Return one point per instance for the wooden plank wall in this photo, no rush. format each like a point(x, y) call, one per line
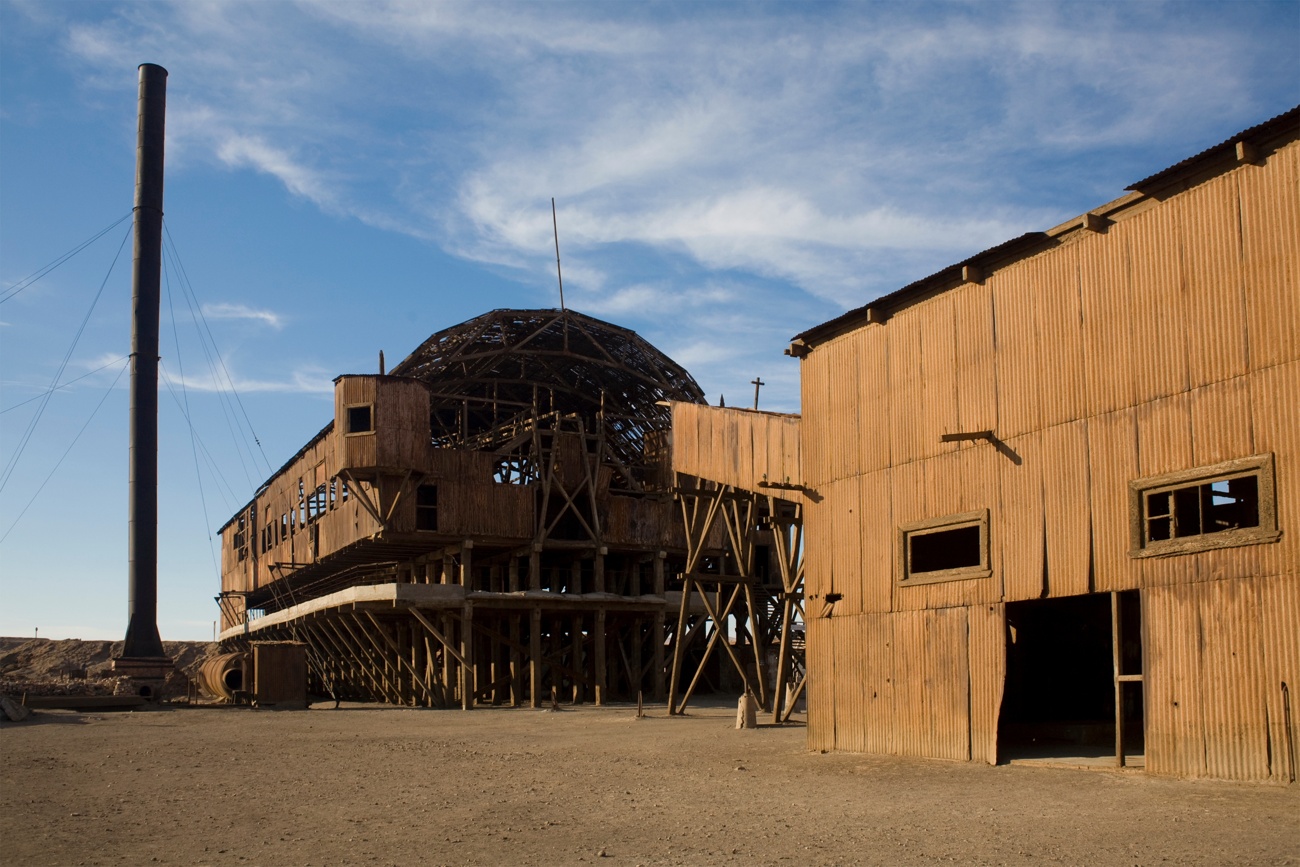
point(470, 502)
point(1164, 342)
point(737, 447)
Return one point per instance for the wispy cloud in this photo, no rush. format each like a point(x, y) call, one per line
point(839, 150)
point(303, 380)
point(244, 151)
point(242, 311)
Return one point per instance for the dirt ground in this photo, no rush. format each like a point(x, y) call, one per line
point(392, 786)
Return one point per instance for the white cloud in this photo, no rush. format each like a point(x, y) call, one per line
point(302, 380)
point(244, 151)
point(841, 150)
point(242, 311)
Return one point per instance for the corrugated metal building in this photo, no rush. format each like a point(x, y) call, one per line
point(1052, 493)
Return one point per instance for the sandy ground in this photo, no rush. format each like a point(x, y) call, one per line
point(391, 786)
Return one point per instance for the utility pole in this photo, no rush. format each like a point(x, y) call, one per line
point(758, 383)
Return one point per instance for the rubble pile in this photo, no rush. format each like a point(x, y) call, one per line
point(42, 666)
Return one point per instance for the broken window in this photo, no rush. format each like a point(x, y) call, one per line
point(316, 503)
point(360, 419)
point(1218, 506)
point(426, 507)
point(950, 548)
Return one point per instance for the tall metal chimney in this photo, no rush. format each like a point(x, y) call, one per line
point(143, 657)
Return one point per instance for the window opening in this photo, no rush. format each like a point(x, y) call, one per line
point(1212, 507)
point(426, 507)
point(360, 419)
point(945, 549)
point(950, 548)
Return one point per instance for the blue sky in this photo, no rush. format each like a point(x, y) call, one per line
point(349, 177)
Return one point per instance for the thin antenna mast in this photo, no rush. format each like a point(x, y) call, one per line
point(555, 226)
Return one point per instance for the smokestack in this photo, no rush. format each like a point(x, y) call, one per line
point(143, 656)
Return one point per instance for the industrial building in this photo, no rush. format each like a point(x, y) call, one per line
point(1051, 494)
point(490, 521)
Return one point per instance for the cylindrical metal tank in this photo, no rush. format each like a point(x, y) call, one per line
point(223, 675)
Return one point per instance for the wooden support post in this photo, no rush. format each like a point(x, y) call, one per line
point(660, 634)
point(598, 638)
point(754, 635)
point(577, 664)
point(679, 644)
point(535, 568)
point(535, 658)
point(448, 570)
point(516, 658)
point(466, 578)
point(449, 661)
point(638, 656)
point(598, 569)
point(783, 657)
point(404, 678)
point(1116, 649)
point(467, 673)
point(512, 575)
point(496, 669)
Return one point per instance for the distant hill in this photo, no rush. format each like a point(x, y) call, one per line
point(74, 667)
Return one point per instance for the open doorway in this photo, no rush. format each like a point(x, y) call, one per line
point(1071, 662)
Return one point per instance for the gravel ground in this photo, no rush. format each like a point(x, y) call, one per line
point(392, 786)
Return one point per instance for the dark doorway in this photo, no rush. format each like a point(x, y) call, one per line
point(1062, 677)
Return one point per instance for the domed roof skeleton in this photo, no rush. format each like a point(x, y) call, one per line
point(492, 374)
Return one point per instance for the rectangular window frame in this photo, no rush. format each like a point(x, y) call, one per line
point(977, 518)
point(424, 511)
point(1261, 466)
point(347, 419)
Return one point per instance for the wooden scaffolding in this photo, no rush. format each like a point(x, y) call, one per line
point(491, 522)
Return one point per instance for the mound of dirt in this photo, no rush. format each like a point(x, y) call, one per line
point(42, 666)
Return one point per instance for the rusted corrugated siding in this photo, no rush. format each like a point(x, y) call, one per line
point(876, 531)
point(1270, 236)
point(988, 671)
point(844, 408)
point(876, 404)
point(843, 502)
point(876, 635)
point(820, 653)
point(1217, 653)
point(814, 383)
point(931, 675)
point(850, 681)
point(1113, 458)
point(1054, 282)
point(1159, 329)
point(1232, 688)
point(1020, 535)
point(1017, 357)
point(1065, 512)
point(1164, 341)
point(1275, 414)
point(1279, 633)
point(1107, 312)
point(1171, 636)
point(938, 405)
point(1209, 243)
point(977, 381)
point(905, 387)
